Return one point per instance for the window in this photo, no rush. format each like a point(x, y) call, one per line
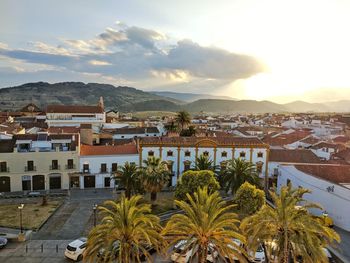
point(150, 153)
point(259, 167)
point(187, 165)
point(103, 167)
point(86, 168)
point(26, 183)
point(224, 154)
point(242, 154)
point(288, 182)
point(114, 167)
point(70, 164)
point(3, 167)
point(187, 153)
point(54, 165)
point(30, 166)
point(260, 155)
point(169, 153)
point(206, 154)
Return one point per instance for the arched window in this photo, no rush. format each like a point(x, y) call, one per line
point(260, 155)
point(224, 154)
point(206, 153)
point(169, 153)
point(187, 165)
point(150, 153)
point(187, 153)
point(242, 154)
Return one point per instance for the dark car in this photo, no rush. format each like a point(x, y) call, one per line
point(3, 242)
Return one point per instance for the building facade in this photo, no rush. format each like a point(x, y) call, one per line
point(38, 162)
point(181, 152)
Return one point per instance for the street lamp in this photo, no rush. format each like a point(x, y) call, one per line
point(94, 208)
point(20, 216)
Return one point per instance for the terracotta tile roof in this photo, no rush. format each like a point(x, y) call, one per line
point(192, 141)
point(63, 129)
point(73, 109)
point(293, 156)
point(342, 155)
point(334, 173)
point(286, 138)
point(341, 139)
point(310, 140)
point(137, 130)
point(324, 145)
point(86, 150)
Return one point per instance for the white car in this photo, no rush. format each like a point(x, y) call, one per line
point(258, 256)
point(75, 249)
point(179, 256)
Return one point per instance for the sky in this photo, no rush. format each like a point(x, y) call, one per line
point(276, 50)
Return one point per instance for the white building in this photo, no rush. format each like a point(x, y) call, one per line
point(99, 162)
point(329, 184)
point(72, 115)
point(181, 152)
point(129, 133)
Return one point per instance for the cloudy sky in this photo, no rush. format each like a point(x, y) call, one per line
point(248, 49)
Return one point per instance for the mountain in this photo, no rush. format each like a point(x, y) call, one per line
point(227, 106)
point(189, 97)
point(130, 99)
point(42, 94)
point(302, 106)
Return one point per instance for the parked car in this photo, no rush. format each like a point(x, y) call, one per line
point(180, 256)
point(3, 242)
point(258, 256)
point(75, 249)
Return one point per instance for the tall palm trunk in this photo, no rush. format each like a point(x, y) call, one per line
point(286, 247)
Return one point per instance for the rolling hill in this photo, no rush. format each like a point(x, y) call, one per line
point(129, 99)
point(189, 97)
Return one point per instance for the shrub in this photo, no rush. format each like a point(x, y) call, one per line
point(249, 199)
point(190, 181)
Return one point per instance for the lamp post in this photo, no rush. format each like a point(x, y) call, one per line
point(20, 216)
point(94, 208)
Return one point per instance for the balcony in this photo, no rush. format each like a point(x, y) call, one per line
point(104, 171)
point(5, 170)
point(30, 168)
point(86, 171)
point(70, 166)
point(55, 167)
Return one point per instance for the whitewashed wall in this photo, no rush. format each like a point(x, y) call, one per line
point(336, 203)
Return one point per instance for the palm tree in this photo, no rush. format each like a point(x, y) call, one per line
point(183, 118)
point(237, 172)
point(129, 178)
point(203, 163)
point(289, 230)
point(206, 224)
point(125, 232)
point(154, 175)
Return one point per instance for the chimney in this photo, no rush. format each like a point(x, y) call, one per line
point(86, 134)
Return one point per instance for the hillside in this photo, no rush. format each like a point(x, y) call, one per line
point(128, 99)
point(42, 94)
point(224, 106)
point(189, 97)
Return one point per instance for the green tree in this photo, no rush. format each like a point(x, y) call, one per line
point(207, 221)
point(203, 163)
point(127, 228)
point(129, 178)
point(289, 230)
point(183, 118)
point(249, 199)
point(190, 131)
point(191, 180)
point(237, 172)
point(155, 175)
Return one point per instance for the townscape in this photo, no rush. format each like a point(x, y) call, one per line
point(227, 174)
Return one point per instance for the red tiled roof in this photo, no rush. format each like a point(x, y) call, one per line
point(63, 129)
point(343, 155)
point(86, 150)
point(310, 140)
point(324, 145)
point(293, 156)
point(335, 173)
point(341, 139)
point(286, 138)
point(192, 141)
point(73, 109)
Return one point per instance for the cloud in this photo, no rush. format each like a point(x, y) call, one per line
point(141, 56)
